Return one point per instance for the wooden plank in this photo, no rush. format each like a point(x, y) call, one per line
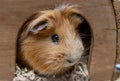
point(104, 48)
point(99, 14)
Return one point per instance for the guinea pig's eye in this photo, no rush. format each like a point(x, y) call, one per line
point(55, 38)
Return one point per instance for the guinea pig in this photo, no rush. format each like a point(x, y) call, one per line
point(50, 42)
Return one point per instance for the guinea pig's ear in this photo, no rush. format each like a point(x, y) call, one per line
point(79, 16)
point(39, 27)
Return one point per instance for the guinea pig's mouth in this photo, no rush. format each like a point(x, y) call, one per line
point(67, 64)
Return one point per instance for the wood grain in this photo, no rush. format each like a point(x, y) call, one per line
point(99, 14)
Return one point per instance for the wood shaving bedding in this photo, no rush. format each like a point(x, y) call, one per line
point(79, 73)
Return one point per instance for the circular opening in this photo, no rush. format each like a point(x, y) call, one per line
point(87, 38)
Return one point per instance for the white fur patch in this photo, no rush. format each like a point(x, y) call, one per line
point(64, 6)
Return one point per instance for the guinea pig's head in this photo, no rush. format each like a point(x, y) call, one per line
point(50, 40)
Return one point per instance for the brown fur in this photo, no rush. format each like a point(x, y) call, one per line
point(39, 52)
